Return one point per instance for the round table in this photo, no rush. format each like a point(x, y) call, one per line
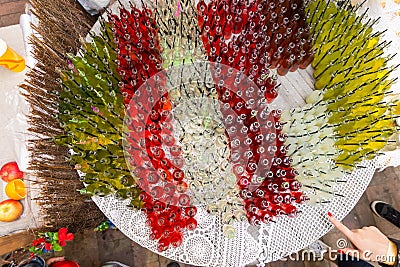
point(207, 246)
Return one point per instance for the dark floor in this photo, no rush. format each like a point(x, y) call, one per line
point(91, 249)
point(10, 10)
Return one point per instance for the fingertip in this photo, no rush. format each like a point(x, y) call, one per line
point(341, 227)
point(332, 218)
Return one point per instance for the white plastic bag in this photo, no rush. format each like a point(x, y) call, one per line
point(93, 7)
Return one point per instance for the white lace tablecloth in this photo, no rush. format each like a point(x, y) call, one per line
point(207, 246)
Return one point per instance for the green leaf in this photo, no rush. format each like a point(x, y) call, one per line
point(57, 247)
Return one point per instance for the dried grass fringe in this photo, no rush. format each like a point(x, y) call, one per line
point(61, 25)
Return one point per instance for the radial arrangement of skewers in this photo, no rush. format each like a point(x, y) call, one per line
point(347, 118)
point(168, 107)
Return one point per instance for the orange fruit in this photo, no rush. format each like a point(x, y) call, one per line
point(16, 189)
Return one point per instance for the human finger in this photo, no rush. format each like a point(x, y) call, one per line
point(340, 226)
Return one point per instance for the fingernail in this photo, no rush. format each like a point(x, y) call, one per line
point(340, 251)
point(330, 214)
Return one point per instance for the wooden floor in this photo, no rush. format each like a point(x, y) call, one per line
point(91, 249)
point(10, 10)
